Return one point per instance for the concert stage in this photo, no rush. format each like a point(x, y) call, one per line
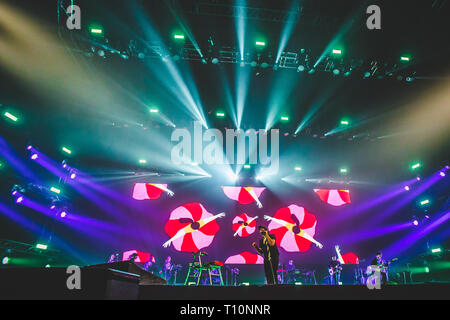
point(110, 284)
point(292, 292)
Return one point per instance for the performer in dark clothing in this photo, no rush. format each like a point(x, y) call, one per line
point(290, 268)
point(382, 265)
point(334, 269)
point(268, 248)
point(167, 268)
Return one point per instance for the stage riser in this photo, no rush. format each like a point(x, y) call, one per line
point(38, 283)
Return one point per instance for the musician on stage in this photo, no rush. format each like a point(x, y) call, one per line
point(382, 265)
point(167, 269)
point(268, 248)
point(290, 268)
point(335, 268)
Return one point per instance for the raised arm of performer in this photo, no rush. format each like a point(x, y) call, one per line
point(339, 256)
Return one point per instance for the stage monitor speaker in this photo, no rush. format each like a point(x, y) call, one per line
point(146, 278)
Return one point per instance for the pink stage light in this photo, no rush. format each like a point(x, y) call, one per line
point(245, 258)
point(334, 197)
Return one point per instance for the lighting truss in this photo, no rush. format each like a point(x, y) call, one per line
point(300, 60)
point(224, 9)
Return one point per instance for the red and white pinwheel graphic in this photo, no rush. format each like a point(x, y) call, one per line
point(243, 225)
point(334, 197)
point(150, 191)
point(347, 258)
point(294, 228)
point(350, 258)
point(245, 258)
point(191, 227)
point(140, 256)
point(244, 195)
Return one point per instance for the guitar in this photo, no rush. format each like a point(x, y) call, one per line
point(382, 268)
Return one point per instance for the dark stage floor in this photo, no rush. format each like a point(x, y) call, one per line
point(291, 292)
point(39, 283)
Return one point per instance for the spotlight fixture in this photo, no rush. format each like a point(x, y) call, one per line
point(343, 170)
point(154, 110)
point(284, 118)
point(405, 58)
point(260, 43)
point(41, 246)
point(66, 150)
point(220, 114)
point(424, 202)
point(416, 165)
point(6, 260)
point(55, 190)
point(298, 168)
point(436, 250)
point(247, 166)
point(337, 51)
point(11, 116)
point(34, 156)
point(96, 31)
point(19, 199)
point(178, 36)
point(407, 188)
point(142, 161)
